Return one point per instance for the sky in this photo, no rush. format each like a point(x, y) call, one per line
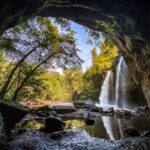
point(85, 48)
point(82, 44)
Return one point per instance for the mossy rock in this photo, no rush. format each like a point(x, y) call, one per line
point(12, 113)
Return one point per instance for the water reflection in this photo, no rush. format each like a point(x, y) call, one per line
point(110, 127)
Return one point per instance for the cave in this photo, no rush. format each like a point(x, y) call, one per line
point(129, 22)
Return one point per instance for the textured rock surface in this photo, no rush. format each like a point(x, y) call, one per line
point(74, 140)
point(2, 133)
point(130, 30)
point(53, 124)
point(12, 113)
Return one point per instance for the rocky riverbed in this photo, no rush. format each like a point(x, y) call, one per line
point(81, 125)
point(73, 140)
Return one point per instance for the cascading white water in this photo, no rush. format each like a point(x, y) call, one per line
point(115, 96)
point(121, 96)
point(117, 80)
point(104, 96)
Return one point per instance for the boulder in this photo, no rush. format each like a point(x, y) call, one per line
point(97, 109)
point(123, 113)
point(89, 122)
point(12, 113)
point(83, 104)
point(140, 110)
point(43, 108)
point(44, 111)
point(52, 113)
point(109, 111)
point(62, 109)
point(53, 124)
point(127, 114)
point(131, 133)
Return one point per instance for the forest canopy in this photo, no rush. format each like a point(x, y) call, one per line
point(31, 52)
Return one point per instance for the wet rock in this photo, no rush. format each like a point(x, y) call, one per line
point(12, 113)
point(118, 114)
point(58, 135)
point(47, 110)
point(62, 109)
point(79, 114)
point(123, 113)
point(83, 104)
point(131, 133)
point(146, 109)
point(52, 113)
point(43, 108)
point(127, 114)
point(146, 134)
point(97, 109)
point(109, 111)
point(74, 140)
point(53, 124)
point(140, 110)
point(89, 122)
point(21, 131)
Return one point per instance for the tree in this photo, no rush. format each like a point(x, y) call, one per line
point(93, 77)
point(94, 55)
point(74, 78)
point(38, 43)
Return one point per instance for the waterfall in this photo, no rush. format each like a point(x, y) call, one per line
point(116, 95)
point(117, 80)
point(112, 95)
point(104, 96)
point(121, 96)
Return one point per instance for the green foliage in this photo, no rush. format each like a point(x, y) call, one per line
point(74, 79)
point(107, 27)
point(94, 76)
point(53, 86)
point(94, 55)
point(35, 47)
point(33, 44)
point(104, 61)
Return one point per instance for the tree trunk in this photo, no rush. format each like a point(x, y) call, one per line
point(5, 87)
point(30, 73)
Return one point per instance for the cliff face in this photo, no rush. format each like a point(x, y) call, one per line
point(126, 22)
